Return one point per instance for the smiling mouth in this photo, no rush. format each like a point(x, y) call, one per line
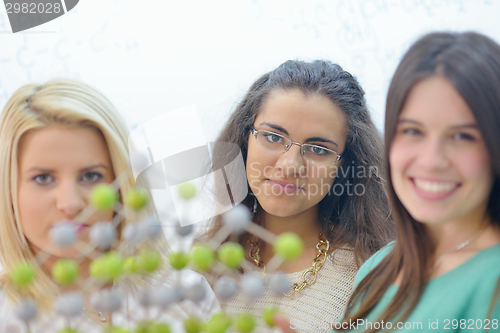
point(434, 187)
point(434, 190)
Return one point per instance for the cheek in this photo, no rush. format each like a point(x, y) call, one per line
point(323, 176)
point(398, 159)
point(32, 207)
point(101, 216)
point(321, 180)
point(252, 166)
point(477, 167)
point(259, 164)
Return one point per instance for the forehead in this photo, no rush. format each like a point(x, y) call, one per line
point(61, 146)
point(303, 115)
point(435, 101)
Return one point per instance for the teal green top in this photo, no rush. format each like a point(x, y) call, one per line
point(457, 301)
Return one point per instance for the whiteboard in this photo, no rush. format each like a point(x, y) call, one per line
point(150, 57)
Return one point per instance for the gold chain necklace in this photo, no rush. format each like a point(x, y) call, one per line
point(310, 275)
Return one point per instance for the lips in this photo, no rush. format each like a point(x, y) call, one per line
point(79, 227)
point(281, 186)
point(434, 189)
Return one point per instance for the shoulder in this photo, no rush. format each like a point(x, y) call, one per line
point(484, 269)
point(372, 262)
point(484, 266)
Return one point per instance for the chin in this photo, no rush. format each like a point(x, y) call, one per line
point(281, 210)
point(428, 217)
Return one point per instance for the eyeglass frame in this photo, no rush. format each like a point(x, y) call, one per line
point(301, 145)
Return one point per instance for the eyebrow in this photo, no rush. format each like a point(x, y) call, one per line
point(313, 139)
point(45, 170)
point(474, 126)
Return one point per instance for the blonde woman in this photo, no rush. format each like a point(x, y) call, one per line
point(57, 141)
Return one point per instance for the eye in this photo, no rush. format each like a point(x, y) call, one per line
point(463, 136)
point(273, 138)
point(91, 177)
point(317, 150)
point(43, 179)
point(411, 131)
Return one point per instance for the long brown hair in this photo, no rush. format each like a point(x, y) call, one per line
point(361, 221)
point(471, 63)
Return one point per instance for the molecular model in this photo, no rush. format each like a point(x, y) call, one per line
point(154, 281)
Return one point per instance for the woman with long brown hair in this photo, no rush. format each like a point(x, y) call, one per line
point(441, 132)
point(313, 162)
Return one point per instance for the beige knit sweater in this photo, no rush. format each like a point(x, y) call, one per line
point(315, 308)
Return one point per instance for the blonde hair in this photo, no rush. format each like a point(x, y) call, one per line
point(65, 102)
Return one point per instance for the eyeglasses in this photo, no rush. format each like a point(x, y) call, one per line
point(280, 144)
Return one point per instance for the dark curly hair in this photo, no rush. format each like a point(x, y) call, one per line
point(361, 221)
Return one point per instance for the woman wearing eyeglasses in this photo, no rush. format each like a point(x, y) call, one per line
point(313, 164)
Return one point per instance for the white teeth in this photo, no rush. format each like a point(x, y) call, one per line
point(434, 187)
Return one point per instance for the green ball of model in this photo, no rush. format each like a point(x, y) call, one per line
point(103, 197)
point(219, 323)
point(148, 261)
point(152, 327)
point(136, 198)
point(142, 327)
point(130, 265)
point(68, 330)
point(268, 315)
point(187, 190)
point(178, 260)
point(245, 322)
point(231, 254)
point(202, 257)
point(115, 329)
point(107, 267)
point(158, 328)
point(22, 275)
point(65, 272)
point(193, 325)
point(288, 246)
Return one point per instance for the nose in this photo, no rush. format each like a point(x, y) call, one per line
point(433, 155)
point(291, 162)
point(70, 199)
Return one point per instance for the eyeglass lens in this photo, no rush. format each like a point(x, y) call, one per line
point(312, 153)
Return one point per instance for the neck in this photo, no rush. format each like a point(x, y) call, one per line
point(448, 236)
point(304, 224)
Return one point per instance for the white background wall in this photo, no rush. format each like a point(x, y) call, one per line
point(153, 56)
